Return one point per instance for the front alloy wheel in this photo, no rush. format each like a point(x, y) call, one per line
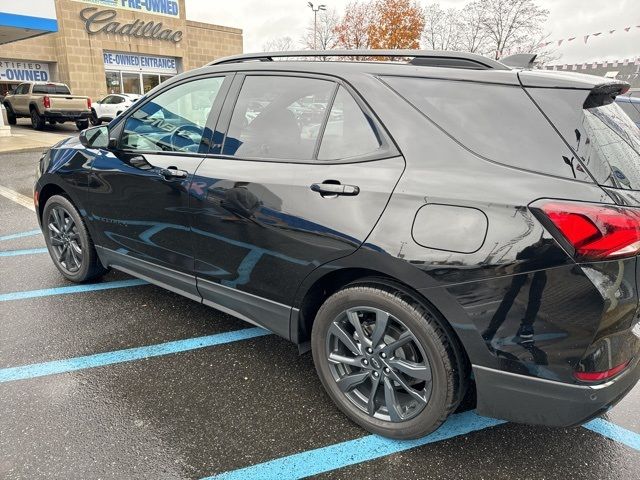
point(65, 239)
point(378, 364)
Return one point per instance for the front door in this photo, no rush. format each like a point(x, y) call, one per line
point(278, 202)
point(139, 193)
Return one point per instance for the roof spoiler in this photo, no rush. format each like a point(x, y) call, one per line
point(520, 60)
point(605, 93)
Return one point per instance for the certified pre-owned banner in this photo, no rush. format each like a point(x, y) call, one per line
point(168, 8)
point(23, 71)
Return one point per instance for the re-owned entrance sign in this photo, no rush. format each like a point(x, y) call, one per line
point(23, 71)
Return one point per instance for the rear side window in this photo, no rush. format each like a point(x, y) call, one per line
point(605, 138)
point(632, 110)
point(349, 132)
point(497, 122)
point(277, 117)
point(51, 89)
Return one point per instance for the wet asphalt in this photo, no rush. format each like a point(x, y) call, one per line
point(205, 411)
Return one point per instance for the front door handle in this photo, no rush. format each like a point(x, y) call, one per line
point(173, 172)
point(334, 189)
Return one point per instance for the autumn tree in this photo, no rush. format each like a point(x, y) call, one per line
point(279, 44)
point(352, 30)
point(323, 34)
point(395, 24)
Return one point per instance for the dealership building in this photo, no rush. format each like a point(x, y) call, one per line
point(107, 46)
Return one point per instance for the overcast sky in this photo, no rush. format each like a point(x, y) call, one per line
point(262, 20)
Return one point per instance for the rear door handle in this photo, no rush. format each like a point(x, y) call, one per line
point(173, 172)
point(330, 189)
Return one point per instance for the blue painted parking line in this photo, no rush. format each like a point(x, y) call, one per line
point(340, 455)
point(128, 355)
point(91, 287)
point(13, 236)
point(29, 251)
point(614, 432)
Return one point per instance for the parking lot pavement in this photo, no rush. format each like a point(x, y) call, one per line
point(121, 379)
point(25, 138)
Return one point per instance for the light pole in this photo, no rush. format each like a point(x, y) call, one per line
point(315, 10)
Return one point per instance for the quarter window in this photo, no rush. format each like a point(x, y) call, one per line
point(349, 132)
point(278, 117)
point(174, 120)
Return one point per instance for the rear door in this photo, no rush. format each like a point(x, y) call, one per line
point(20, 100)
point(300, 179)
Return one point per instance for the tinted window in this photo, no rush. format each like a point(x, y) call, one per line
point(174, 120)
point(630, 109)
point(349, 132)
point(605, 138)
point(278, 117)
point(21, 89)
point(51, 89)
point(498, 122)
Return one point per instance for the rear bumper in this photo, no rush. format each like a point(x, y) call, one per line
point(524, 399)
point(66, 116)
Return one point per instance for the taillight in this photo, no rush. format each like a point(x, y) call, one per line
point(89, 103)
point(600, 376)
point(46, 101)
point(593, 231)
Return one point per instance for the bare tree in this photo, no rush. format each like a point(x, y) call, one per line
point(473, 36)
point(443, 28)
point(326, 37)
point(279, 44)
point(511, 24)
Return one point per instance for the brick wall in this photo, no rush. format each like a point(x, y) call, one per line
point(77, 58)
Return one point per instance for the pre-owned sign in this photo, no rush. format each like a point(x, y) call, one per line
point(97, 21)
point(23, 71)
point(168, 8)
point(135, 62)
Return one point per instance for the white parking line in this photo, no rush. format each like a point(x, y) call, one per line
point(20, 199)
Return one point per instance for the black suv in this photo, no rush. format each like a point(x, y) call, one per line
point(436, 228)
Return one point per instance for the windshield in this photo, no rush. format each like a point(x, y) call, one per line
point(612, 146)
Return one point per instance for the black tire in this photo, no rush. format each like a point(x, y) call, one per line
point(52, 122)
point(11, 116)
point(82, 124)
point(89, 266)
point(95, 121)
point(37, 121)
point(429, 343)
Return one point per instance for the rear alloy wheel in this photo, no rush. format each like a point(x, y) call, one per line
point(68, 241)
point(385, 361)
point(37, 121)
point(11, 117)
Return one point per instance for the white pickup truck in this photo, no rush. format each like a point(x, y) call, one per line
point(47, 102)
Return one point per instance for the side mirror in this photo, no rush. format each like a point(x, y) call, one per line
point(97, 137)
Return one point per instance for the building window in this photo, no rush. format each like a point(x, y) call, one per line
point(113, 82)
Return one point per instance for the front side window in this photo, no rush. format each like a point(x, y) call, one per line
point(174, 120)
point(278, 117)
point(349, 132)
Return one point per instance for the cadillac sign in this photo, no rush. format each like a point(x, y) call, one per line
point(104, 21)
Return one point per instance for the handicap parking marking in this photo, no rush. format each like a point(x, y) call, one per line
point(91, 287)
point(614, 432)
point(351, 452)
point(29, 233)
point(128, 355)
point(16, 253)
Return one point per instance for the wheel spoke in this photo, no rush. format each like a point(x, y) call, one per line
point(54, 229)
point(405, 338)
point(352, 315)
point(337, 330)
point(75, 257)
point(411, 391)
point(76, 248)
point(56, 219)
point(349, 382)
point(69, 223)
point(391, 401)
point(415, 370)
point(56, 242)
point(342, 359)
point(62, 253)
point(68, 258)
point(371, 404)
point(382, 318)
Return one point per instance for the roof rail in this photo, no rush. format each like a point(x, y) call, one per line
point(418, 57)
